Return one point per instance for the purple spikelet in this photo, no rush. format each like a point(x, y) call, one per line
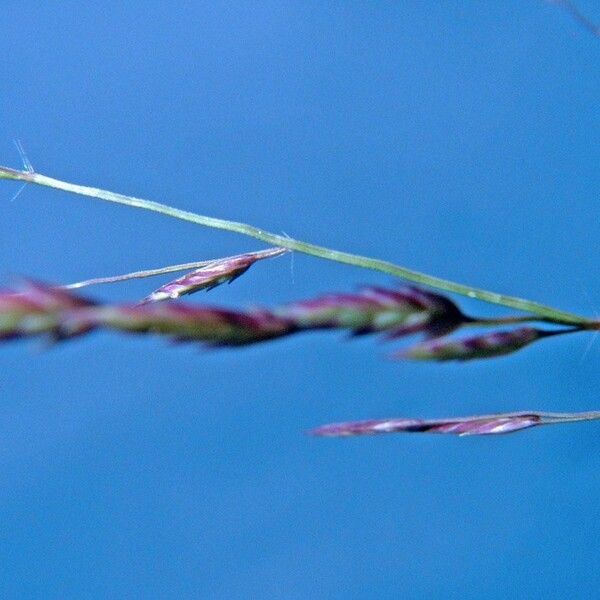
point(213, 326)
point(482, 346)
point(478, 425)
point(484, 425)
point(397, 312)
point(37, 309)
point(211, 275)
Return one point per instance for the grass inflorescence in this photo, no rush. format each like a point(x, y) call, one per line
point(37, 309)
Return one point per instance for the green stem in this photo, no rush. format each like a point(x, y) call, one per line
point(546, 312)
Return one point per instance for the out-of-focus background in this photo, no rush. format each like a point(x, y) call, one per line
point(456, 138)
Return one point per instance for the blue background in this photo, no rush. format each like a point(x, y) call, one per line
point(456, 138)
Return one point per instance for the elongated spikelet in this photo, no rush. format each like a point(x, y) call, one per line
point(211, 275)
point(37, 309)
point(482, 346)
point(213, 326)
point(397, 312)
point(484, 425)
point(478, 425)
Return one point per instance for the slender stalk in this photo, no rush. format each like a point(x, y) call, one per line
point(135, 275)
point(160, 271)
point(548, 313)
point(485, 322)
point(552, 418)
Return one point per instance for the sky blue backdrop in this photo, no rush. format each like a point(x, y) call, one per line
point(457, 138)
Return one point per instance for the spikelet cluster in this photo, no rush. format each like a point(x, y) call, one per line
point(39, 309)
